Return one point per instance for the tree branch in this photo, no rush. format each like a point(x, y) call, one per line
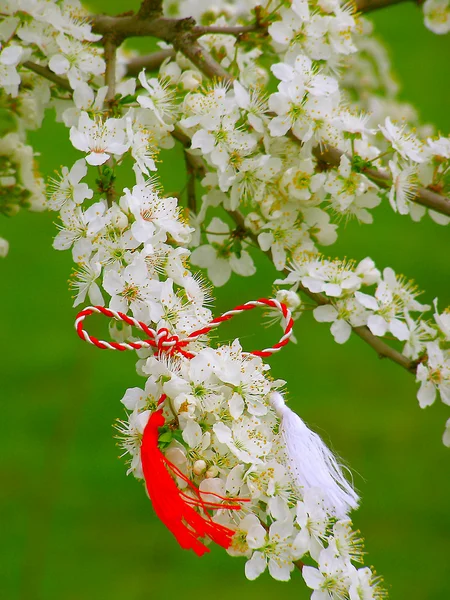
point(190, 184)
point(237, 30)
point(127, 26)
point(178, 32)
point(148, 21)
point(45, 72)
point(424, 196)
point(188, 45)
point(110, 81)
point(330, 155)
point(365, 6)
point(151, 62)
point(195, 161)
point(110, 71)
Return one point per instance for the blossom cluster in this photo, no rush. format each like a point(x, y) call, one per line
point(387, 306)
point(54, 36)
point(288, 166)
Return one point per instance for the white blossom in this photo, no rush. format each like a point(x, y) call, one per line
point(272, 550)
point(434, 376)
point(99, 139)
point(75, 60)
point(10, 57)
point(69, 188)
point(405, 143)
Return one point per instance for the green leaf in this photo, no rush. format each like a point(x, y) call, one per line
point(166, 437)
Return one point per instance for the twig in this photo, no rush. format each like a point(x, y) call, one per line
point(188, 45)
point(110, 71)
point(190, 184)
point(151, 62)
point(183, 34)
point(330, 155)
point(299, 564)
point(237, 30)
point(45, 72)
point(196, 162)
point(127, 26)
point(109, 45)
point(424, 196)
point(178, 32)
point(148, 21)
point(365, 6)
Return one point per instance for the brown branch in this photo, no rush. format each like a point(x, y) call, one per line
point(424, 196)
point(127, 26)
point(365, 6)
point(178, 32)
point(237, 30)
point(190, 184)
point(196, 53)
point(149, 21)
point(150, 8)
point(195, 161)
point(151, 62)
point(299, 565)
point(45, 72)
point(110, 48)
point(110, 71)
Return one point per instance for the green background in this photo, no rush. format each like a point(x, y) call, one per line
point(75, 527)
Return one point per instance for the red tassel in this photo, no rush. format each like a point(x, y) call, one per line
point(186, 516)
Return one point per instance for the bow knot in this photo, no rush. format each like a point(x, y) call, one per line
point(171, 344)
point(163, 341)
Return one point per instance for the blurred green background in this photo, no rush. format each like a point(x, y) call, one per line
point(75, 527)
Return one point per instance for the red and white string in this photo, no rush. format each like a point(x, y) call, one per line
point(163, 341)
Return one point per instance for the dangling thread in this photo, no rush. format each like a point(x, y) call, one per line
point(175, 508)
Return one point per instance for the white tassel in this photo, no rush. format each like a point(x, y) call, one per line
point(312, 463)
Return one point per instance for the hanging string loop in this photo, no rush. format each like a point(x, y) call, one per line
point(164, 341)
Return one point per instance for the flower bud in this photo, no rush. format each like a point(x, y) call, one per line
point(213, 471)
point(199, 467)
point(190, 80)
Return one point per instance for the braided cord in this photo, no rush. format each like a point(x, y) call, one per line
point(163, 341)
